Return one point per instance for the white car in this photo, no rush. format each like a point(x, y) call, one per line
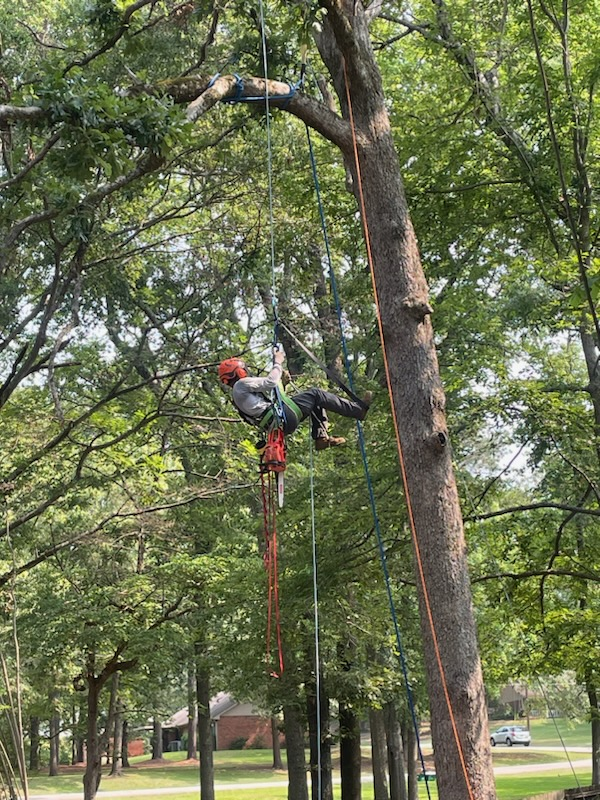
point(511, 734)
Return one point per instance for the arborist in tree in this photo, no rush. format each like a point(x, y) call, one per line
point(252, 399)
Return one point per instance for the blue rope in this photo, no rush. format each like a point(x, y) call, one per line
point(213, 79)
point(261, 98)
point(363, 450)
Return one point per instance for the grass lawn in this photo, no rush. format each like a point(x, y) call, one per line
point(245, 766)
point(549, 732)
point(509, 788)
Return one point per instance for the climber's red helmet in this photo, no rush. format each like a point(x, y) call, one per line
point(232, 369)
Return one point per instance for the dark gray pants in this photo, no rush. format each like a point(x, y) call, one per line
point(315, 403)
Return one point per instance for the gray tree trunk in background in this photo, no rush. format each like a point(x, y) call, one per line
point(277, 762)
point(413, 765)
point(378, 754)
point(205, 737)
point(350, 755)
point(294, 737)
point(34, 744)
point(54, 736)
point(157, 739)
point(192, 739)
point(395, 753)
point(116, 767)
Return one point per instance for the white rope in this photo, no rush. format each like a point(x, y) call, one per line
point(269, 159)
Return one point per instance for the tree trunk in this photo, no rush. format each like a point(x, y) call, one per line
point(54, 731)
point(350, 755)
point(378, 754)
point(277, 762)
point(157, 739)
point(125, 745)
point(116, 767)
point(447, 619)
point(93, 767)
point(79, 745)
point(395, 755)
point(316, 737)
point(192, 730)
point(34, 744)
point(413, 767)
point(595, 715)
point(205, 737)
point(296, 763)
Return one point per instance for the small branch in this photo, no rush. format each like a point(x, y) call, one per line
point(535, 573)
point(39, 41)
point(210, 37)
point(32, 163)
point(470, 186)
point(116, 517)
point(533, 507)
point(121, 31)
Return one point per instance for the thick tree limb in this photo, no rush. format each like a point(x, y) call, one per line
point(201, 95)
point(20, 114)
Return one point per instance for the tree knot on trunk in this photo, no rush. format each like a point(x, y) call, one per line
point(439, 440)
point(419, 309)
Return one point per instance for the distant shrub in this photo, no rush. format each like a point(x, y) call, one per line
point(237, 744)
point(255, 743)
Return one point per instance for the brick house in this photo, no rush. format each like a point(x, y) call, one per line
point(231, 721)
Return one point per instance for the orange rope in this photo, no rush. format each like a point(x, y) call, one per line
point(399, 446)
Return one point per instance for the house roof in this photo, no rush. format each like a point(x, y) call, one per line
point(219, 705)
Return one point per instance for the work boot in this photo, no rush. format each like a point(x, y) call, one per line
point(366, 401)
point(324, 442)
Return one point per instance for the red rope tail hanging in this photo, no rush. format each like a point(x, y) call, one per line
point(269, 489)
point(276, 590)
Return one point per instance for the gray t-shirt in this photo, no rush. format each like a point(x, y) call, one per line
point(250, 395)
